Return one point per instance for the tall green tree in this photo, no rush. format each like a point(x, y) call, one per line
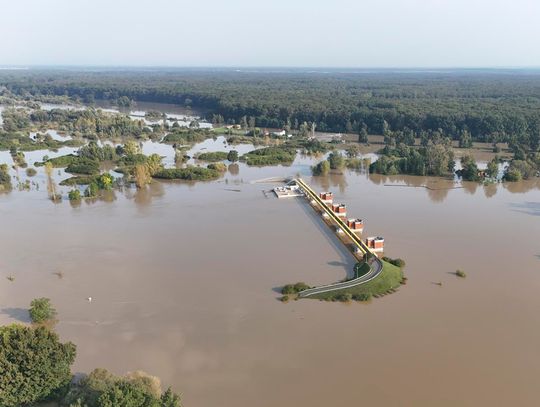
point(336, 160)
point(363, 134)
point(232, 156)
point(33, 364)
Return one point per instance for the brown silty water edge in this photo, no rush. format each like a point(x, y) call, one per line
point(184, 281)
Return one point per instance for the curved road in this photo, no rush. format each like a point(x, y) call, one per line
point(375, 267)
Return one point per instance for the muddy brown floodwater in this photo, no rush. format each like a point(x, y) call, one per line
point(184, 283)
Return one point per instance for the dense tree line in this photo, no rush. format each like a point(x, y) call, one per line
point(488, 105)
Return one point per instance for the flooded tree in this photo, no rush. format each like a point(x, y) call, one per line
point(51, 185)
point(142, 176)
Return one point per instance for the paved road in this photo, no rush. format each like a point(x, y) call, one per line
point(375, 267)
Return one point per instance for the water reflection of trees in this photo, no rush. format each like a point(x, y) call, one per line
point(234, 169)
point(490, 190)
point(437, 188)
point(470, 187)
point(333, 179)
point(104, 196)
point(522, 186)
point(144, 196)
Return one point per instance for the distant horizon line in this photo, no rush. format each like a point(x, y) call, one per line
point(271, 67)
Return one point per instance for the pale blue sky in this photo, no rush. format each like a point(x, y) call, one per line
point(336, 33)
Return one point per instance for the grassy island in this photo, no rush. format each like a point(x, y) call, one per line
point(214, 156)
point(189, 173)
point(270, 156)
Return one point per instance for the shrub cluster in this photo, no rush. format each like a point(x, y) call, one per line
point(396, 262)
point(294, 288)
point(270, 156)
point(189, 173)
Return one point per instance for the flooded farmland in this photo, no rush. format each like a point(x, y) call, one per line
point(184, 280)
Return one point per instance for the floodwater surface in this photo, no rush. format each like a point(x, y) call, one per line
point(184, 280)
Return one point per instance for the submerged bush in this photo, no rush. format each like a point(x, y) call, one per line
point(189, 173)
point(396, 262)
point(270, 156)
point(103, 389)
point(322, 168)
point(31, 172)
point(41, 310)
point(5, 178)
point(213, 156)
point(342, 297)
point(221, 167)
point(362, 297)
point(74, 195)
point(92, 190)
point(83, 166)
point(294, 288)
point(232, 156)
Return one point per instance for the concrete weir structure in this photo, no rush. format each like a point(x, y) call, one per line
point(334, 216)
point(288, 191)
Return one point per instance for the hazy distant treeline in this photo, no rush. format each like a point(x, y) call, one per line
point(491, 105)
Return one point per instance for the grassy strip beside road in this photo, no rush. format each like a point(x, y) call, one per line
point(390, 278)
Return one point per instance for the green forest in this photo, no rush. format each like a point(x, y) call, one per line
point(491, 105)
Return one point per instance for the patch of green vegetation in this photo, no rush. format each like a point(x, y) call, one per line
point(103, 182)
point(131, 160)
point(396, 262)
point(107, 152)
point(361, 269)
point(187, 136)
point(83, 165)
point(232, 156)
point(137, 389)
point(221, 167)
point(59, 162)
point(9, 140)
point(18, 157)
point(36, 367)
point(436, 159)
point(74, 195)
point(310, 146)
point(522, 169)
point(357, 163)
point(321, 169)
point(153, 115)
point(35, 364)
point(228, 131)
point(294, 288)
point(461, 273)
point(214, 156)
point(189, 173)
point(256, 141)
point(78, 180)
point(390, 278)
point(31, 172)
point(270, 156)
point(5, 178)
point(41, 310)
